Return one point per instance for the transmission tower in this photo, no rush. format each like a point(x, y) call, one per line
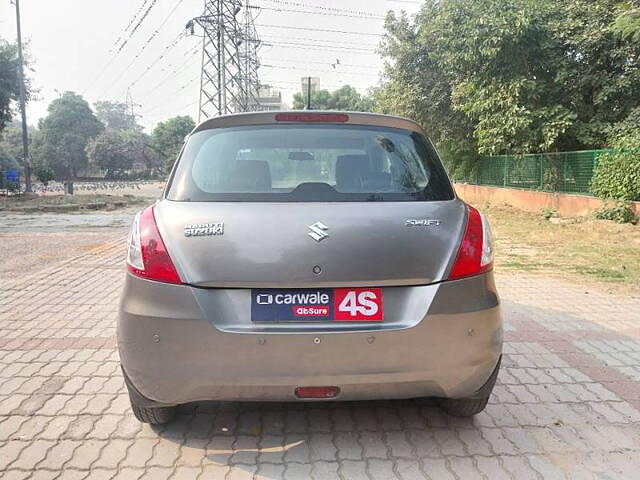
point(229, 74)
point(250, 58)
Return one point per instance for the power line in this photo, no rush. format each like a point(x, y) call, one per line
point(311, 29)
point(116, 53)
point(133, 19)
point(144, 46)
point(173, 43)
point(287, 37)
point(137, 26)
point(167, 104)
point(320, 70)
point(131, 22)
point(328, 9)
point(331, 44)
point(305, 62)
point(176, 110)
point(191, 56)
point(274, 82)
point(278, 9)
point(311, 46)
point(173, 93)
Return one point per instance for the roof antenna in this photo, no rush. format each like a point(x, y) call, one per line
point(309, 93)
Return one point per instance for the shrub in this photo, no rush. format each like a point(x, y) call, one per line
point(617, 175)
point(620, 212)
point(461, 161)
point(45, 174)
point(547, 213)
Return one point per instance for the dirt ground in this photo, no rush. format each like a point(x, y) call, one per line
point(582, 249)
point(29, 242)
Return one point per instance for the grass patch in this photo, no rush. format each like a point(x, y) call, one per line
point(523, 266)
point(601, 273)
point(80, 201)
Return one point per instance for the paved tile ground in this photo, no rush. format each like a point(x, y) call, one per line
point(567, 403)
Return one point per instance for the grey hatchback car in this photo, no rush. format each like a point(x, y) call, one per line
point(309, 256)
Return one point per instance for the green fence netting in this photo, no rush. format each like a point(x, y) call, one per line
point(569, 172)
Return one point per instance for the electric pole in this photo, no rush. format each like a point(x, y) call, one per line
point(229, 72)
point(130, 110)
point(23, 105)
point(251, 59)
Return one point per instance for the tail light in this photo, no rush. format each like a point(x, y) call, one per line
point(475, 254)
point(147, 255)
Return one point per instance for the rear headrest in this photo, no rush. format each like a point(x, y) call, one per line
point(249, 176)
point(350, 172)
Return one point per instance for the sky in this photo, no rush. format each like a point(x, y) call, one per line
point(71, 47)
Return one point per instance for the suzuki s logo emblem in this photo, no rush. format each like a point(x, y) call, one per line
point(318, 231)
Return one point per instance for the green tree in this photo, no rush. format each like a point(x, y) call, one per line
point(116, 116)
point(320, 100)
point(146, 156)
point(9, 82)
point(415, 86)
point(64, 135)
point(502, 57)
point(511, 76)
point(345, 98)
point(111, 151)
point(118, 152)
point(627, 22)
point(168, 136)
point(7, 161)
point(599, 74)
point(11, 139)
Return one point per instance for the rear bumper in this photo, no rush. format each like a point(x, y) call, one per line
point(173, 352)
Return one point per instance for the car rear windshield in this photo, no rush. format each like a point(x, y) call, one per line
point(308, 163)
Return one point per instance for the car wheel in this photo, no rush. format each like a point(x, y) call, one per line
point(463, 407)
point(154, 415)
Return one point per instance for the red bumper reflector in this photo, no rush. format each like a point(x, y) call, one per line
point(317, 392)
point(312, 117)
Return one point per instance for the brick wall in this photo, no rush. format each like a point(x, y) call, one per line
point(567, 205)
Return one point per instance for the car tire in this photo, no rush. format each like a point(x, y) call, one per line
point(467, 407)
point(154, 415)
point(463, 407)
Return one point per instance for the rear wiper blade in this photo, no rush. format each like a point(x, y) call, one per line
point(375, 198)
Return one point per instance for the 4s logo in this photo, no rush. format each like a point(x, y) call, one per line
point(358, 305)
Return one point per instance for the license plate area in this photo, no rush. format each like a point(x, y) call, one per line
point(317, 305)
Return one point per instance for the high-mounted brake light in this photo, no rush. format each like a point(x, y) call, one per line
point(317, 392)
point(475, 254)
point(147, 255)
point(312, 117)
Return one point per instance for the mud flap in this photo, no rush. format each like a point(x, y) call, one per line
point(137, 398)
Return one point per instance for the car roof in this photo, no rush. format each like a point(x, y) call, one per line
point(266, 118)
